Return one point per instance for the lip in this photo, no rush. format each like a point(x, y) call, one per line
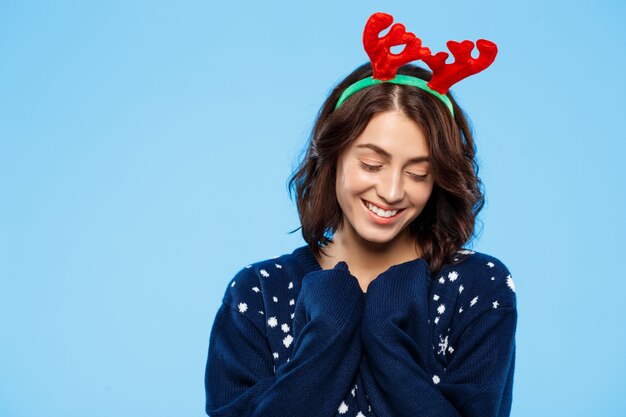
point(381, 206)
point(381, 220)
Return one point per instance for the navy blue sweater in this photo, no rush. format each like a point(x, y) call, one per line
point(292, 339)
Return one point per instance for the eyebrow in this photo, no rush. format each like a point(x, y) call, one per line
point(387, 155)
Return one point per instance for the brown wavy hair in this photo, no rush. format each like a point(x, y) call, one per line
point(447, 222)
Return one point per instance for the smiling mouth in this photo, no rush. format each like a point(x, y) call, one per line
point(383, 214)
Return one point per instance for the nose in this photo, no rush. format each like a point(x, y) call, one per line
point(391, 187)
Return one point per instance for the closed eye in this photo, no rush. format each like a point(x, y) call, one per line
point(374, 168)
point(371, 168)
point(418, 177)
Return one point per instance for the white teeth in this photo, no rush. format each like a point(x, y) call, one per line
point(380, 212)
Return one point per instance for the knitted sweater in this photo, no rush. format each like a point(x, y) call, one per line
point(292, 339)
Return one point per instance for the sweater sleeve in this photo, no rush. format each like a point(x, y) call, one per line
point(394, 363)
point(239, 380)
point(479, 379)
point(399, 370)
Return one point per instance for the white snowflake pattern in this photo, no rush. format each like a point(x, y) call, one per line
point(443, 345)
point(243, 307)
point(436, 379)
point(290, 285)
point(474, 301)
point(233, 284)
point(435, 297)
point(461, 288)
point(276, 355)
point(436, 320)
point(278, 266)
point(495, 304)
point(285, 327)
point(272, 322)
point(343, 408)
point(460, 310)
point(275, 299)
point(510, 283)
point(248, 266)
point(292, 302)
point(490, 264)
point(360, 414)
point(256, 289)
point(442, 280)
point(353, 391)
point(292, 315)
point(453, 275)
point(441, 309)
point(261, 312)
point(450, 349)
point(264, 273)
point(287, 341)
point(466, 252)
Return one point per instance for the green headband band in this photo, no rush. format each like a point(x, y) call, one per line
point(398, 79)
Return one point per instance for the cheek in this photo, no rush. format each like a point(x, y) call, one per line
point(353, 180)
point(421, 194)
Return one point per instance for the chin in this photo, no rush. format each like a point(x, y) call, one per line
point(376, 237)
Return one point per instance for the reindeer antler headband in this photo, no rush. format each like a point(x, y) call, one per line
point(385, 64)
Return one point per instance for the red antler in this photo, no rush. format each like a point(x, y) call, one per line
point(445, 75)
point(384, 63)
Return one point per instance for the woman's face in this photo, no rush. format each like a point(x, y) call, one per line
point(387, 167)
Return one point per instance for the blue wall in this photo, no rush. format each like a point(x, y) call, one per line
point(144, 153)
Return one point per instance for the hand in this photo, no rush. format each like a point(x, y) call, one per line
point(329, 295)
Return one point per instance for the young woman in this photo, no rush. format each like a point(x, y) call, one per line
point(383, 312)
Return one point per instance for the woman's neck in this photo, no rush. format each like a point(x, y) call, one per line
point(365, 255)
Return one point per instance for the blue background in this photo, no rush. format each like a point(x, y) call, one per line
point(144, 154)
